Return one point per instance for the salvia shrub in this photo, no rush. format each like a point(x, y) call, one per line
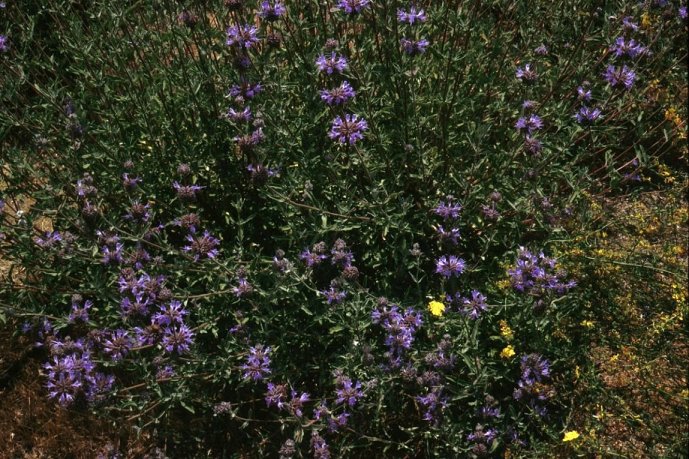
point(319, 229)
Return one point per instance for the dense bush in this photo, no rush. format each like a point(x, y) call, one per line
point(324, 228)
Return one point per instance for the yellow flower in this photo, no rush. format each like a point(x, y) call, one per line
point(571, 435)
point(507, 352)
point(436, 307)
point(645, 21)
point(506, 331)
point(586, 323)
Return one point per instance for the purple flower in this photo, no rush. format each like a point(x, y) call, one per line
point(245, 90)
point(63, 387)
point(534, 368)
point(339, 95)
point(682, 12)
point(243, 289)
point(49, 240)
point(341, 255)
point(138, 213)
point(186, 192)
point(537, 274)
point(411, 16)
point(542, 50)
point(257, 364)
point(449, 266)
point(529, 105)
point(630, 48)
point(526, 74)
point(476, 305)
point(130, 183)
point(529, 124)
point(170, 314)
point(348, 392)
point(620, 76)
point(353, 6)
point(117, 345)
point(238, 116)
point(248, 141)
point(490, 212)
point(312, 258)
point(202, 246)
point(583, 94)
point(348, 129)
point(335, 422)
point(628, 24)
point(432, 402)
point(414, 47)
point(482, 436)
point(449, 210)
point(332, 64)
point(587, 115)
point(177, 339)
point(112, 256)
point(334, 296)
point(319, 446)
point(532, 145)
point(165, 372)
point(242, 36)
point(138, 307)
point(4, 43)
point(99, 385)
point(296, 404)
point(276, 395)
point(272, 12)
point(451, 236)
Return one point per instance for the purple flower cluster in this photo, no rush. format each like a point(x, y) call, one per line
point(629, 48)
point(449, 265)
point(272, 11)
point(257, 364)
point(320, 448)
point(587, 115)
point(620, 76)
point(242, 36)
point(331, 64)
point(334, 295)
point(186, 192)
point(411, 16)
point(483, 440)
point(245, 90)
point(315, 256)
point(400, 328)
point(203, 246)
point(353, 6)
point(347, 392)
point(476, 305)
point(348, 129)
point(80, 312)
point(339, 95)
point(71, 373)
point(433, 403)
point(146, 299)
point(532, 387)
point(529, 124)
point(49, 240)
point(448, 211)
point(412, 47)
point(526, 74)
point(440, 358)
point(537, 274)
